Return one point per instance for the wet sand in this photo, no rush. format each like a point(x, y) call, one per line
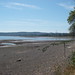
point(33, 58)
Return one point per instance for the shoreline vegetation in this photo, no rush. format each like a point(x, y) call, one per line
point(37, 57)
point(69, 68)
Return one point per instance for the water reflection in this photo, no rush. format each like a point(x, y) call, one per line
point(8, 44)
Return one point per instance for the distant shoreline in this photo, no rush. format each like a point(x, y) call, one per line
point(33, 34)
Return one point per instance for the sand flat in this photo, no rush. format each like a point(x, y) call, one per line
point(30, 59)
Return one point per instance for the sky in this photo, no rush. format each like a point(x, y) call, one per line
point(35, 15)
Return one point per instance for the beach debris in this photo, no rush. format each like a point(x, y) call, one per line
point(18, 60)
point(69, 47)
point(54, 43)
point(45, 48)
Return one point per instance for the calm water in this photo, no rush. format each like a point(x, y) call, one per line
point(32, 38)
point(8, 44)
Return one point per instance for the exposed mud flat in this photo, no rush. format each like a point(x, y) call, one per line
point(32, 58)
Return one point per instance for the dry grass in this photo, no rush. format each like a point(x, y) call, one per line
point(69, 69)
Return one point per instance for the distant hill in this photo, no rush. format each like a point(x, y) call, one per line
point(32, 34)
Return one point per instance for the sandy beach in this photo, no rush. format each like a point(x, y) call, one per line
point(33, 58)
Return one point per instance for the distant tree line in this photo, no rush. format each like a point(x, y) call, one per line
point(34, 34)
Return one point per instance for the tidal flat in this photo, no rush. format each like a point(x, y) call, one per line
point(33, 58)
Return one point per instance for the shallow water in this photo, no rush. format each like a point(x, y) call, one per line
point(32, 38)
point(8, 44)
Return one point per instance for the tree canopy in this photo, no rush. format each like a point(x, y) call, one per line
point(72, 28)
point(71, 21)
point(71, 18)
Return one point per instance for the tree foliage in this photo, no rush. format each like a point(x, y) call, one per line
point(71, 18)
point(71, 21)
point(72, 28)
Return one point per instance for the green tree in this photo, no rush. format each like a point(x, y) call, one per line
point(72, 29)
point(71, 18)
point(71, 21)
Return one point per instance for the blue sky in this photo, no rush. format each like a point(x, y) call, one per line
point(34, 15)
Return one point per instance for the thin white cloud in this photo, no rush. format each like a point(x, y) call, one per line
point(66, 6)
point(16, 5)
